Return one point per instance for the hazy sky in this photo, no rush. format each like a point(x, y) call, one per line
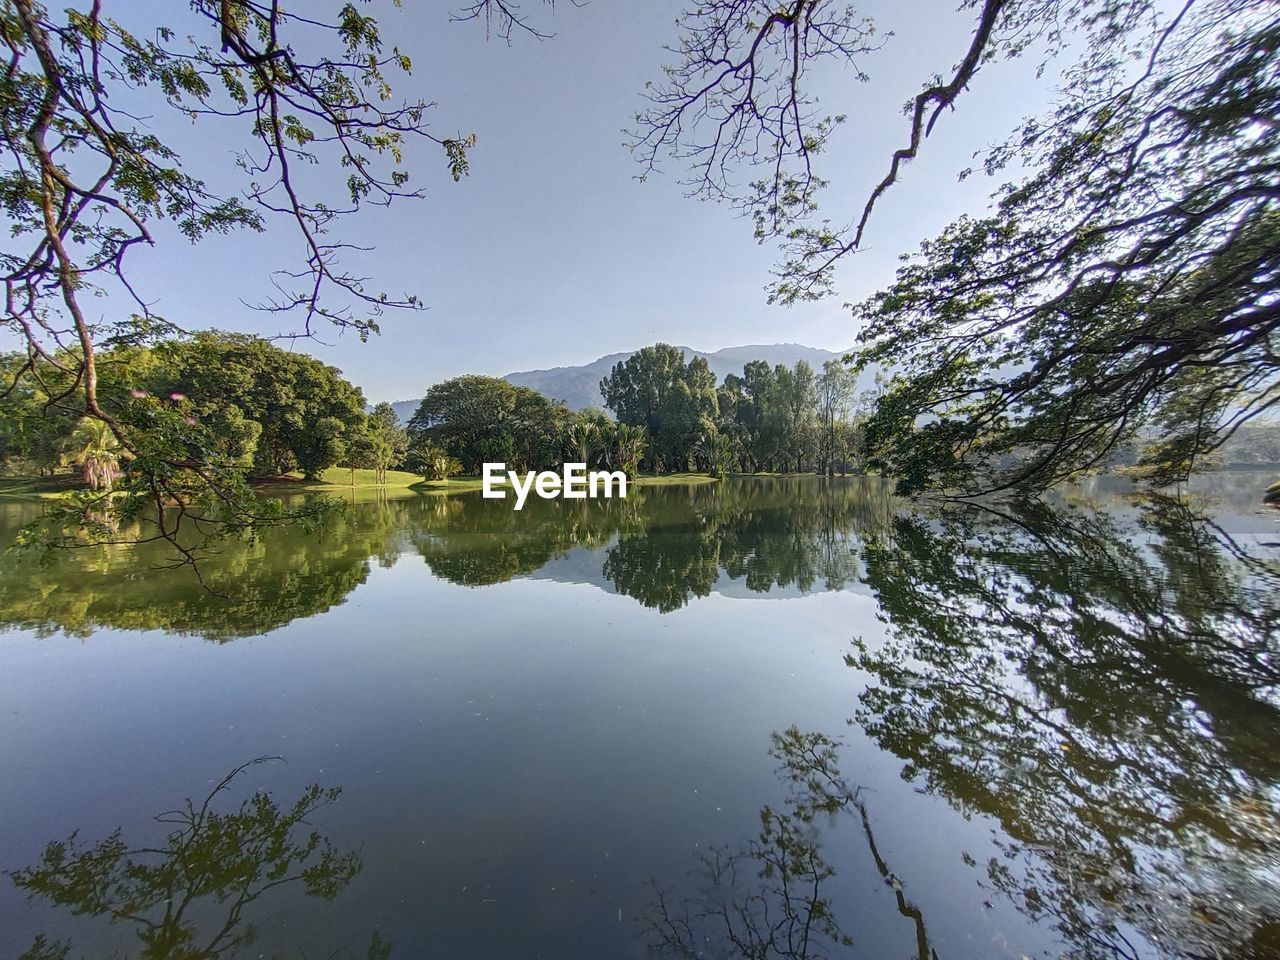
point(551, 252)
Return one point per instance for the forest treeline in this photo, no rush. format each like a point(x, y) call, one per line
point(269, 412)
point(266, 411)
point(670, 415)
point(232, 401)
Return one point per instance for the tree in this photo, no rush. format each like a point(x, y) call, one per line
point(675, 402)
point(583, 440)
point(715, 451)
point(1122, 292)
point(1120, 295)
point(84, 182)
point(271, 410)
point(96, 452)
point(631, 445)
point(435, 462)
point(794, 410)
point(387, 425)
point(835, 388)
point(759, 383)
point(364, 449)
point(479, 420)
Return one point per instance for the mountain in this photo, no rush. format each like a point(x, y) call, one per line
point(579, 386)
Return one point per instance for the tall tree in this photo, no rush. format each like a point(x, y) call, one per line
point(278, 410)
point(673, 400)
point(84, 182)
point(835, 388)
point(480, 419)
point(1122, 291)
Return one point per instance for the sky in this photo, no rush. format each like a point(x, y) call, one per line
point(552, 252)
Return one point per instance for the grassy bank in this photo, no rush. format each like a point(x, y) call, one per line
point(336, 481)
point(340, 482)
point(28, 488)
point(468, 484)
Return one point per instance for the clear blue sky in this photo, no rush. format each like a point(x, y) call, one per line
point(551, 252)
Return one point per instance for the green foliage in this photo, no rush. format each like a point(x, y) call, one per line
point(1122, 296)
point(94, 450)
point(714, 450)
point(477, 420)
point(190, 420)
point(435, 462)
point(292, 98)
point(630, 446)
point(673, 401)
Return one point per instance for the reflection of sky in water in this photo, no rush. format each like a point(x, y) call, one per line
point(517, 759)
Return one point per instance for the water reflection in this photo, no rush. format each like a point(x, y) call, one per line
point(1107, 689)
point(662, 546)
point(193, 896)
point(254, 586)
point(769, 897)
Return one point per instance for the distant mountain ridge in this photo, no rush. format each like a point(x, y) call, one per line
point(579, 386)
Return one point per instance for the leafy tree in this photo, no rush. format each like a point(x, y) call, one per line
point(1122, 292)
point(320, 445)
point(387, 425)
point(794, 410)
point(84, 183)
point(630, 447)
point(835, 388)
point(94, 450)
point(761, 428)
point(478, 420)
point(364, 448)
point(715, 450)
point(583, 441)
point(436, 462)
point(279, 409)
point(673, 401)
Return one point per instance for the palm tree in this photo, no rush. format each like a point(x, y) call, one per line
point(715, 449)
point(630, 445)
point(95, 450)
point(583, 441)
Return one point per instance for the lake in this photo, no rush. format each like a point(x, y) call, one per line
point(762, 718)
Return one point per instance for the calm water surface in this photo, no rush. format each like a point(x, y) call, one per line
point(765, 718)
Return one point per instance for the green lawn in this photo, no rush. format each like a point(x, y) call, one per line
point(338, 481)
point(670, 479)
point(37, 487)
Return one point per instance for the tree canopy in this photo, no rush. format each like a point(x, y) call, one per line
point(480, 419)
point(1119, 295)
point(85, 180)
point(1122, 292)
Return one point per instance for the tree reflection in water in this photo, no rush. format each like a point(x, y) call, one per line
point(188, 899)
point(766, 898)
point(662, 546)
point(1107, 692)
